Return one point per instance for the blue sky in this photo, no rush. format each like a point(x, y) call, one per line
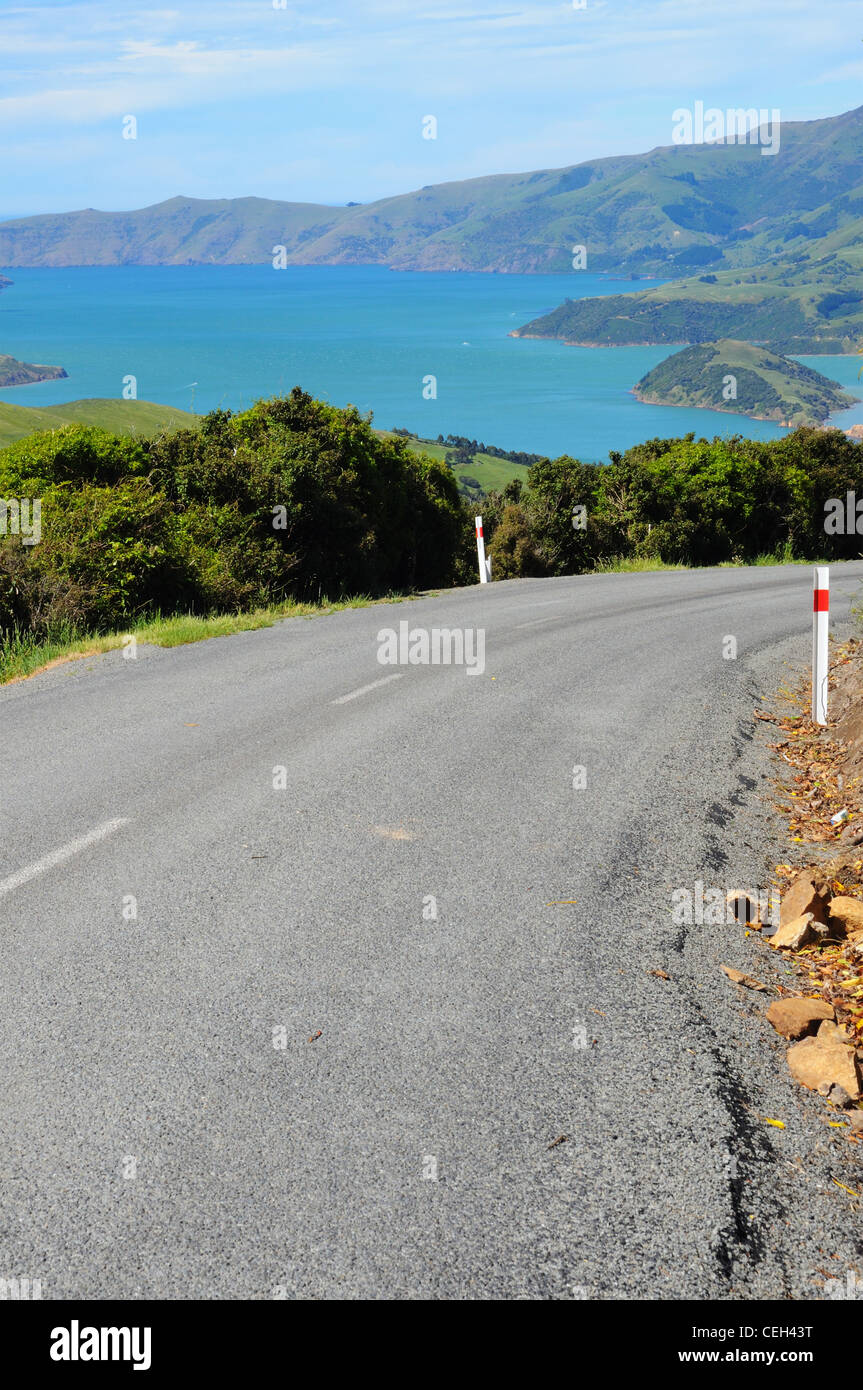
point(323, 101)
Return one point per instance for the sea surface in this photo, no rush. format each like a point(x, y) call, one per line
point(197, 337)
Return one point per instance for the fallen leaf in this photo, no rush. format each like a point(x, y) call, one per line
point(777, 1124)
point(561, 1139)
point(738, 978)
point(319, 1034)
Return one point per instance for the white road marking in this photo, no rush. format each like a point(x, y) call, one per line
point(59, 856)
point(364, 689)
point(536, 621)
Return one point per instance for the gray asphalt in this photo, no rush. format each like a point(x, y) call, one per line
point(404, 1153)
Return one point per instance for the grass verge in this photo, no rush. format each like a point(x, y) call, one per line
point(625, 564)
point(22, 655)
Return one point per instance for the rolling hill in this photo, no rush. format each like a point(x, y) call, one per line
point(668, 212)
point(120, 417)
point(806, 299)
point(745, 380)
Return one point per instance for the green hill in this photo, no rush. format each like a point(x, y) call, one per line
point(807, 302)
point(672, 211)
point(484, 473)
point(15, 373)
point(142, 418)
point(746, 380)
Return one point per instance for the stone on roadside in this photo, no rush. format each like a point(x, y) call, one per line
point(793, 934)
point(846, 914)
point(837, 1095)
point(795, 1018)
point(816, 1061)
point(831, 1031)
point(802, 897)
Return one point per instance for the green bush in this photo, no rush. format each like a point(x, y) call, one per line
point(193, 521)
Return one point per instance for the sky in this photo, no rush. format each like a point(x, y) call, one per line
point(324, 100)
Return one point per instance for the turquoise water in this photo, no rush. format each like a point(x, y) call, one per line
point(359, 334)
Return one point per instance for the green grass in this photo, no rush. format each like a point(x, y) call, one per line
point(622, 564)
point(625, 564)
point(119, 417)
point(491, 473)
point(22, 655)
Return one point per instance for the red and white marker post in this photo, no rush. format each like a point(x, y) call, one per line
point(484, 564)
point(820, 647)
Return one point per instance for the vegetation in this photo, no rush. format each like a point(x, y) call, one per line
point(295, 505)
point(292, 500)
point(478, 468)
point(24, 653)
point(678, 502)
point(745, 379)
point(788, 309)
point(120, 417)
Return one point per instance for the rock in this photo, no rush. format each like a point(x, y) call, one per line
point(837, 1095)
point(795, 1018)
point(816, 1061)
point(830, 1031)
point(846, 914)
point(793, 934)
point(855, 1119)
point(802, 897)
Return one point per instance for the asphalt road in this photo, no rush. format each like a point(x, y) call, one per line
point(167, 1127)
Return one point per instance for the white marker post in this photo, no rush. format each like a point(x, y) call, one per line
point(820, 649)
point(484, 565)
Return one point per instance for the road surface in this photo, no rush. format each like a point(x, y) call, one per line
point(287, 1077)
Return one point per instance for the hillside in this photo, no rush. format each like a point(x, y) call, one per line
point(142, 418)
point(666, 212)
point(476, 472)
point(15, 373)
point(809, 301)
point(765, 386)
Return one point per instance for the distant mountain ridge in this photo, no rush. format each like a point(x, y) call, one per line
point(670, 211)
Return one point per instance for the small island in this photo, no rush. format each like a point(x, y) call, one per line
point(744, 379)
point(15, 373)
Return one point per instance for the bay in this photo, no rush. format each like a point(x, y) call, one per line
point(198, 337)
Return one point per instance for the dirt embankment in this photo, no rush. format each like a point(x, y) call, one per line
point(819, 790)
